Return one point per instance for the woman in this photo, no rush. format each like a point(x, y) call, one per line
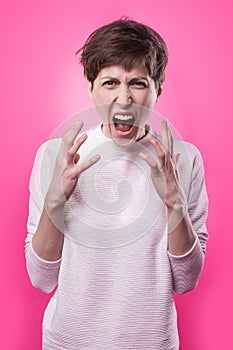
point(117, 214)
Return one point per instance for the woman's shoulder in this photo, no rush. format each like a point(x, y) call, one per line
point(190, 148)
point(181, 146)
point(51, 146)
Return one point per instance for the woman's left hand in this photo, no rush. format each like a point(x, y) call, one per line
point(164, 171)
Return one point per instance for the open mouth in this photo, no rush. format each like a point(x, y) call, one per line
point(123, 123)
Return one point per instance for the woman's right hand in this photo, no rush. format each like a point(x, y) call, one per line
point(67, 168)
point(48, 239)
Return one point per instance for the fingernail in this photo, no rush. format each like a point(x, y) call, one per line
point(78, 123)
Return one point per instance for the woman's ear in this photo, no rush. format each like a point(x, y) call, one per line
point(159, 93)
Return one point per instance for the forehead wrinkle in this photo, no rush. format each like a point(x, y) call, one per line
point(118, 71)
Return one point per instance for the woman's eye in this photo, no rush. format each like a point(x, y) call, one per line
point(109, 83)
point(139, 84)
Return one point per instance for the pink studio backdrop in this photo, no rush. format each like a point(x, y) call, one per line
point(42, 85)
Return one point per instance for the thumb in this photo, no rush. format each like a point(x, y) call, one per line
point(177, 156)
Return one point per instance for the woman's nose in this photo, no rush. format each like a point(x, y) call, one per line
point(124, 95)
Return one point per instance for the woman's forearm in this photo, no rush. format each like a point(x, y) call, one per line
point(47, 242)
point(181, 235)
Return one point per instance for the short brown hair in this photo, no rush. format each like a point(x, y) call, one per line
point(126, 43)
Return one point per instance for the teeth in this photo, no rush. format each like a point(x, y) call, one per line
point(123, 117)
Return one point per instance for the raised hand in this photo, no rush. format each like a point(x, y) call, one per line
point(164, 171)
point(67, 168)
point(48, 239)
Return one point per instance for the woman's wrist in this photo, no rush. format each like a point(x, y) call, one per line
point(54, 208)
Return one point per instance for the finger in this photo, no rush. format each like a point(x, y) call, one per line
point(165, 135)
point(177, 157)
point(171, 140)
point(71, 154)
point(88, 164)
point(158, 148)
point(155, 166)
point(71, 135)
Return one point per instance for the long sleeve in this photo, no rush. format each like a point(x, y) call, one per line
point(186, 269)
point(43, 274)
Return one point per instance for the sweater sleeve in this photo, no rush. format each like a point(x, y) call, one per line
point(186, 269)
point(43, 274)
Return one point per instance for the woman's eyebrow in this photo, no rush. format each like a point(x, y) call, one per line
point(139, 78)
point(131, 79)
point(109, 77)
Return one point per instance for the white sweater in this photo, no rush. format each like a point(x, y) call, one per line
point(115, 280)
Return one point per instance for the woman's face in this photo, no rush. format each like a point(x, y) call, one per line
point(124, 100)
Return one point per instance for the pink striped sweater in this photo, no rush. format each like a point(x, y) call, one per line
point(115, 280)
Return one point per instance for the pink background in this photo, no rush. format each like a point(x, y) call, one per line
point(42, 84)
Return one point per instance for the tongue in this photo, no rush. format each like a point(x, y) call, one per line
point(123, 127)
